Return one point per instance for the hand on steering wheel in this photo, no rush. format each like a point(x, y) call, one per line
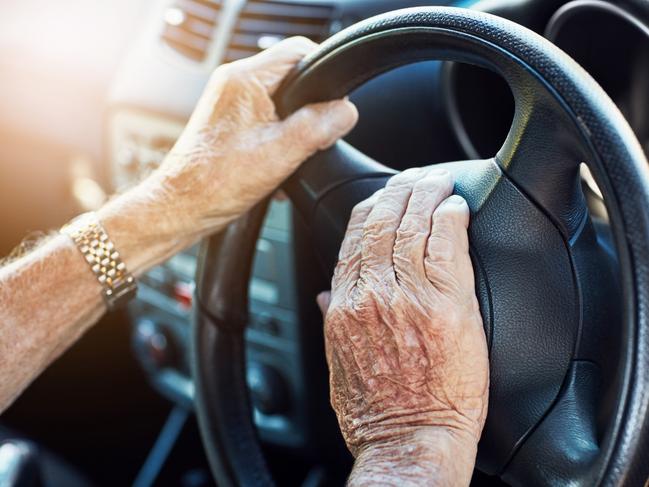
point(404, 337)
point(235, 150)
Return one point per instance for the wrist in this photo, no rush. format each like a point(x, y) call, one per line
point(144, 228)
point(421, 456)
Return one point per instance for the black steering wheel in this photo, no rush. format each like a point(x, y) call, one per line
point(566, 319)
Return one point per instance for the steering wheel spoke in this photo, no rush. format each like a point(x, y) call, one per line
point(329, 170)
point(570, 431)
point(542, 154)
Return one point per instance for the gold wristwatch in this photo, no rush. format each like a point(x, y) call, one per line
point(119, 286)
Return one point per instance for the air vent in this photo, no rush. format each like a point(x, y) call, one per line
point(261, 24)
point(190, 25)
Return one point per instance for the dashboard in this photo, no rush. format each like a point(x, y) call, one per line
point(163, 74)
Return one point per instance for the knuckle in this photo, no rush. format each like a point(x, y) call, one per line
point(384, 214)
point(376, 228)
point(446, 218)
point(443, 277)
point(441, 184)
point(225, 71)
point(345, 267)
point(441, 249)
point(231, 86)
point(362, 207)
point(301, 133)
point(365, 296)
point(299, 43)
point(415, 222)
point(404, 240)
point(408, 271)
point(404, 178)
point(318, 128)
point(303, 128)
point(309, 122)
point(222, 71)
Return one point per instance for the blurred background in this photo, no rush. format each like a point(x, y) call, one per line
point(57, 61)
point(93, 93)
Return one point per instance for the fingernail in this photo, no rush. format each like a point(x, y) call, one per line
point(455, 199)
point(344, 115)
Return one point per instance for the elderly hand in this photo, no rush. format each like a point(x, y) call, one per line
point(408, 361)
point(233, 152)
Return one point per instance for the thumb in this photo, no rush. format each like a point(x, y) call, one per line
point(323, 299)
point(315, 127)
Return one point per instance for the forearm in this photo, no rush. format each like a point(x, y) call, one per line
point(47, 300)
point(428, 456)
point(50, 297)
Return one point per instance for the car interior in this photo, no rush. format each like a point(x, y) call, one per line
point(94, 94)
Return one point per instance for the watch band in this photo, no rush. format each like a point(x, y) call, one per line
point(119, 286)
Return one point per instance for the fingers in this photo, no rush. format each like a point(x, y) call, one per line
point(323, 299)
point(381, 226)
point(447, 263)
point(349, 258)
point(415, 227)
point(273, 64)
point(312, 128)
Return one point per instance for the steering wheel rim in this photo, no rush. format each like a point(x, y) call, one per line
point(562, 114)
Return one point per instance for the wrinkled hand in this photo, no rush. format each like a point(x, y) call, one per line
point(404, 336)
point(235, 150)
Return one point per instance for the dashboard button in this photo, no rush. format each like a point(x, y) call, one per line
point(183, 293)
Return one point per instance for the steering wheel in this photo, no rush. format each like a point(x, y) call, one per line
point(566, 318)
